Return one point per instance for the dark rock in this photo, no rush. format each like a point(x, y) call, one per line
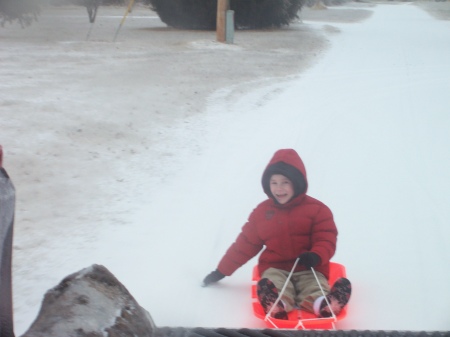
point(91, 303)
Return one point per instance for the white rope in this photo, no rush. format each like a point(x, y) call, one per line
point(281, 293)
point(323, 293)
point(300, 321)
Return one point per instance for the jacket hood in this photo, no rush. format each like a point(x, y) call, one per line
point(288, 163)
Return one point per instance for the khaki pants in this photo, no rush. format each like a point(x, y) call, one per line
point(302, 289)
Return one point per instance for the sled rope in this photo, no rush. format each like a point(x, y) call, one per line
point(281, 292)
point(300, 321)
point(323, 293)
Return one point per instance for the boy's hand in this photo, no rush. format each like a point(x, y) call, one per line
point(213, 277)
point(309, 259)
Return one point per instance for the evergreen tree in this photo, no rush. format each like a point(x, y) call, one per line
point(249, 14)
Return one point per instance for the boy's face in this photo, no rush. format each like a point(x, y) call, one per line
point(281, 188)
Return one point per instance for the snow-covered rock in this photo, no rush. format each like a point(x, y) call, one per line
point(91, 302)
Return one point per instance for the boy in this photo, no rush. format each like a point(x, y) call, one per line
point(288, 225)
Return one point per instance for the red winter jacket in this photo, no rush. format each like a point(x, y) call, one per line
point(284, 231)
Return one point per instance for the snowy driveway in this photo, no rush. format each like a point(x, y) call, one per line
point(371, 122)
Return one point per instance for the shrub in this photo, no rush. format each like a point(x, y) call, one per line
point(249, 14)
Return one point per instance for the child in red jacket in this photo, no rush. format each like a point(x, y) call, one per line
point(290, 225)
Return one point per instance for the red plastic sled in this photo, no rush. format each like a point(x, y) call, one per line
point(299, 319)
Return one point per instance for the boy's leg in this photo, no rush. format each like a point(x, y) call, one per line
point(268, 297)
point(279, 277)
point(308, 290)
point(337, 298)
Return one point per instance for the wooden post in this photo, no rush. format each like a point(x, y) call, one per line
point(222, 7)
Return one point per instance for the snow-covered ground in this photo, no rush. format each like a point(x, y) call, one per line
point(370, 119)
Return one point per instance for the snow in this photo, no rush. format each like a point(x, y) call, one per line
point(370, 121)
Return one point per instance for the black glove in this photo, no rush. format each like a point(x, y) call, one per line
point(213, 277)
point(309, 259)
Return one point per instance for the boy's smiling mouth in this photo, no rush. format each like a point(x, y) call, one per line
point(281, 197)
